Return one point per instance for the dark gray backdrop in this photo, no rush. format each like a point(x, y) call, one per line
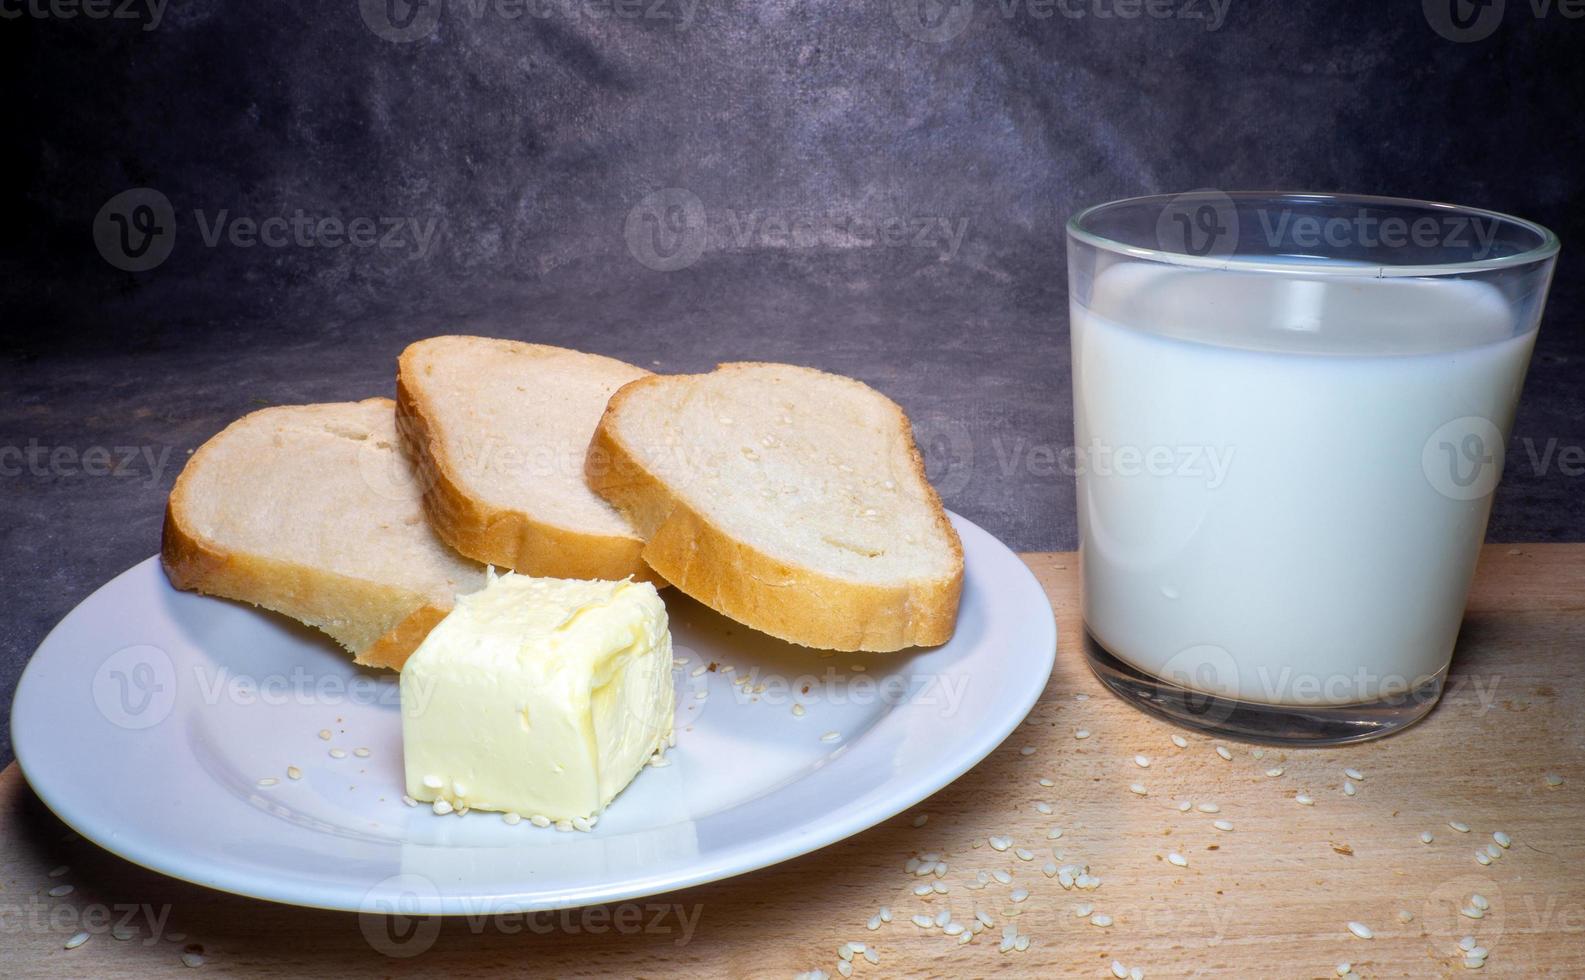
point(875, 188)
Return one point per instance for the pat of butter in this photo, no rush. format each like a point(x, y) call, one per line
point(538, 696)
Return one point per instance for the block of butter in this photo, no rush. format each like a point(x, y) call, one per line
point(538, 696)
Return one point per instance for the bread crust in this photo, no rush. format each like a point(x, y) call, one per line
point(794, 603)
point(504, 537)
point(380, 624)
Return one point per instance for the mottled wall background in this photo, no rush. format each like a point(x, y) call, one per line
point(876, 187)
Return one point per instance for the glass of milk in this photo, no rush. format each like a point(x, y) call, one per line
point(1290, 415)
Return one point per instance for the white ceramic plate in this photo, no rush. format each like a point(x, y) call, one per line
point(148, 717)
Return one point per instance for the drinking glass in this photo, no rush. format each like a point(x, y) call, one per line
point(1290, 415)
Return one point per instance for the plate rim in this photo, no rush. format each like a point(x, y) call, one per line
point(759, 853)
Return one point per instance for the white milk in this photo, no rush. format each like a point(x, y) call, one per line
point(1272, 503)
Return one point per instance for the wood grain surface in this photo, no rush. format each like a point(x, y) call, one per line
point(1270, 898)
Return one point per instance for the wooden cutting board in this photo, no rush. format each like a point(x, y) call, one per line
point(1270, 898)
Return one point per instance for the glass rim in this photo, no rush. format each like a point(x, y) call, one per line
point(1547, 247)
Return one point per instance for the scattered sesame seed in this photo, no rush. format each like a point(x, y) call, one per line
point(943, 917)
point(408, 800)
point(121, 933)
point(361, 752)
point(338, 753)
point(1426, 837)
point(60, 891)
point(885, 913)
point(830, 736)
point(1471, 912)
point(1502, 839)
point(1101, 920)
point(1222, 824)
point(1459, 826)
point(1480, 902)
point(1019, 894)
point(1222, 751)
point(845, 967)
point(1046, 782)
point(194, 960)
point(1003, 877)
point(292, 772)
point(433, 782)
point(1473, 963)
point(57, 872)
point(1208, 808)
point(1119, 970)
point(268, 781)
point(1082, 733)
point(798, 711)
point(1482, 858)
point(1049, 869)
point(1027, 750)
point(1142, 761)
point(76, 940)
point(873, 924)
point(1000, 843)
point(1493, 851)
point(1054, 833)
point(441, 807)
point(1349, 789)
point(1024, 854)
point(512, 819)
point(1180, 741)
point(1304, 799)
point(1083, 910)
point(1184, 806)
point(954, 928)
point(1138, 789)
point(1043, 808)
point(1404, 915)
point(871, 956)
point(1353, 773)
point(324, 734)
point(1274, 772)
point(1344, 969)
point(539, 820)
point(1177, 859)
point(1553, 779)
point(1361, 930)
point(922, 890)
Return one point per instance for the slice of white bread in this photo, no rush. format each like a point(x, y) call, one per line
point(313, 511)
point(499, 430)
point(788, 499)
